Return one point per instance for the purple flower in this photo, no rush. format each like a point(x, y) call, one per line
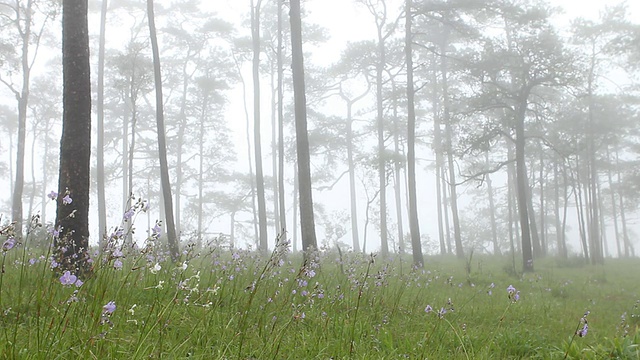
point(9, 244)
point(54, 231)
point(117, 264)
point(428, 309)
point(66, 200)
point(68, 279)
point(583, 332)
point(128, 215)
point(514, 295)
point(79, 283)
point(156, 231)
point(52, 195)
point(442, 312)
point(109, 308)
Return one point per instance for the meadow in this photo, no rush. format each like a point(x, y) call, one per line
point(221, 303)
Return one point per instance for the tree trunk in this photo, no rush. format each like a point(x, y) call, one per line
point(614, 205)
point(262, 206)
point(307, 225)
point(437, 148)
point(449, 140)
point(72, 219)
point(414, 227)
point(102, 206)
point(352, 181)
point(162, 143)
point(623, 219)
point(382, 178)
point(521, 179)
point(281, 188)
point(492, 213)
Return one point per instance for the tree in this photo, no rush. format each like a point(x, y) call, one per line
point(162, 142)
point(307, 225)
point(21, 24)
point(255, 41)
point(414, 227)
point(72, 217)
point(100, 175)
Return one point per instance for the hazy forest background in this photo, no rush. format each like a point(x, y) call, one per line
point(525, 124)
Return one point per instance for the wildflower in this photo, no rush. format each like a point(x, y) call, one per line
point(442, 312)
point(128, 214)
point(583, 332)
point(67, 278)
point(66, 200)
point(155, 268)
point(109, 308)
point(156, 230)
point(428, 309)
point(79, 283)
point(9, 244)
point(117, 264)
point(514, 295)
point(52, 195)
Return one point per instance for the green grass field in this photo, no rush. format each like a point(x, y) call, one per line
point(239, 305)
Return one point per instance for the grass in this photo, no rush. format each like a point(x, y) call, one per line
point(235, 304)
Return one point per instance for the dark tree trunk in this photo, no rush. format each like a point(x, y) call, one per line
point(72, 219)
point(162, 142)
point(307, 225)
point(414, 227)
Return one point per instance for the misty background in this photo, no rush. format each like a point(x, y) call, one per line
point(581, 122)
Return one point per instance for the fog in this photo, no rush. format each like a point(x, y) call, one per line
point(567, 70)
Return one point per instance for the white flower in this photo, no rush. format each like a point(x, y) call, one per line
point(155, 268)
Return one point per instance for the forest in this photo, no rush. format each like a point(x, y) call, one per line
point(282, 179)
point(515, 135)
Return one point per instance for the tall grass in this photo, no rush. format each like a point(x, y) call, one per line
point(235, 304)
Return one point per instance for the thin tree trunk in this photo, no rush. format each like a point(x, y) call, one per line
point(414, 227)
point(437, 148)
point(162, 143)
point(623, 219)
point(521, 179)
point(307, 224)
point(352, 180)
point(248, 138)
point(492, 212)
point(23, 100)
point(449, 140)
point(262, 207)
point(281, 191)
point(382, 178)
point(614, 205)
point(100, 175)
